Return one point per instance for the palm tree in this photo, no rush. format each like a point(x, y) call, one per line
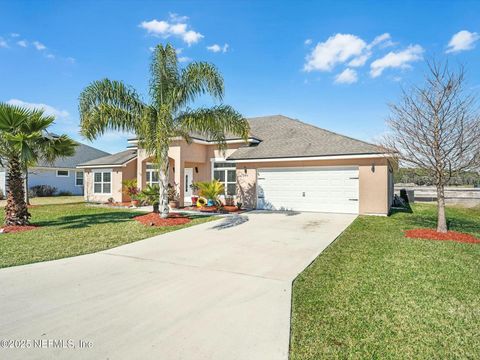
point(24, 140)
point(107, 104)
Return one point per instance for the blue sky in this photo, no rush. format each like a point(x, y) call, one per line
point(333, 64)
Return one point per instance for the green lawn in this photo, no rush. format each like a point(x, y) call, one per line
point(74, 229)
point(374, 294)
point(51, 200)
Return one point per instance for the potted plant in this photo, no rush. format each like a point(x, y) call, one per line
point(173, 197)
point(131, 190)
point(194, 197)
point(151, 196)
point(211, 190)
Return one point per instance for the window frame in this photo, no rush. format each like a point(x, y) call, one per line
point(151, 171)
point(102, 182)
point(225, 169)
point(68, 173)
point(76, 178)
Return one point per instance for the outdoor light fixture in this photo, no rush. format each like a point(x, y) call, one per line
point(373, 167)
point(245, 169)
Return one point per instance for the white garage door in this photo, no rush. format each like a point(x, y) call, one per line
point(324, 189)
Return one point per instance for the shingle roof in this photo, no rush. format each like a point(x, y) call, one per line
point(83, 153)
point(114, 159)
point(283, 137)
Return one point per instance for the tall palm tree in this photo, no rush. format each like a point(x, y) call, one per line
point(107, 104)
point(24, 140)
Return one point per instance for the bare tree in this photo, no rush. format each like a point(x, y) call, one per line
point(436, 127)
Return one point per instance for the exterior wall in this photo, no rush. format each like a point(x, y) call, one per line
point(40, 176)
point(373, 180)
point(116, 189)
point(183, 155)
point(37, 176)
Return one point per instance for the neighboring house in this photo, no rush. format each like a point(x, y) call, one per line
point(63, 173)
point(285, 165)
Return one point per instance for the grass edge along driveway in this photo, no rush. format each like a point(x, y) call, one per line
point(73, 229)
point(376, 294)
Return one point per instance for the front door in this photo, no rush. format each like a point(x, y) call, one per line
point(187, 190)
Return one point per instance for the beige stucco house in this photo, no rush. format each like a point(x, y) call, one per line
point(285, 165)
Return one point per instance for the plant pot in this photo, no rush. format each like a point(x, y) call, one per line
point(156, 208)
point(194, 200)
point(135, 203)
point(174, 204)
point(230, 208)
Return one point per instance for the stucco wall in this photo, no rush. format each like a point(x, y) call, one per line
point(116, 189)
point(373, 180)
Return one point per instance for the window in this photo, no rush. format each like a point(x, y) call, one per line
point(79, 178)
point(151, 176)
point(102, 182)
point(226, 173)
point(63, 173)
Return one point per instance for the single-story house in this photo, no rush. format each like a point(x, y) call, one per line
point(285, 165)
point(63, 174)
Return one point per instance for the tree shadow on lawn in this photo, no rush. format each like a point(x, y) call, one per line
point(88, 220)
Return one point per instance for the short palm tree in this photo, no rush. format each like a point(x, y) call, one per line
point(108, 104)
point(24, 140)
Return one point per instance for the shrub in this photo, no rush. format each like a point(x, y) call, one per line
point(130, 188)
point(42, 191)
point(65, 193)
point(210, 190)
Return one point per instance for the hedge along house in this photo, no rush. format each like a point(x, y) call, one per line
point(285, 165)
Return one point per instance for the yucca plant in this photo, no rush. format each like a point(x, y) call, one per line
point(151, 195)
point(210, 190)
point(107, 104)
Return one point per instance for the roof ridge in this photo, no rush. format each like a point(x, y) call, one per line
point(329, 131)
point(91, 147)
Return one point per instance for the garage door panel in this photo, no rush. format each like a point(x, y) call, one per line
point(314, 189)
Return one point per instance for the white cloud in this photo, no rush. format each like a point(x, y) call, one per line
point(175, 27)
point(342, 48)
point(385, 39)
point(307, 41)
point(192, 37)
point(50, 56)
point(49, 110)
point(337, 49)
point(14, 35)
point(183, 59)
point(217, 48)
point(461, 41)
point(400, 59)
point(347, 76)
point(3, 43)
point(39, 46)
point(22, 43)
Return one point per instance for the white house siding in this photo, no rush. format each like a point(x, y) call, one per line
point(48, 177)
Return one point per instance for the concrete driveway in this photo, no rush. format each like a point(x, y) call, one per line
point(219, 290)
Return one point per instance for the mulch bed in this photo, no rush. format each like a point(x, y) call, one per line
point(432, 234)
point(152, 219)
point(17, 228)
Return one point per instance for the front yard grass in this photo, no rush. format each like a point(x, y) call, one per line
point(374, 294)
point(74, 229)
